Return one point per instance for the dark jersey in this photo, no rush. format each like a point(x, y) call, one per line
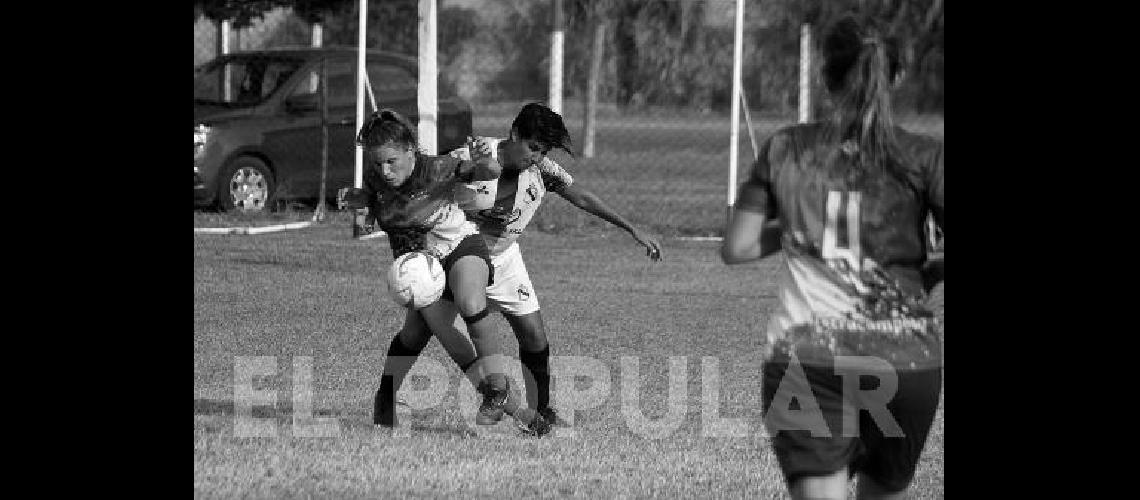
point(422, 213)
point(854, 247)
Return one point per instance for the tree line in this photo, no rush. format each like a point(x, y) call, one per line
point(642, 52)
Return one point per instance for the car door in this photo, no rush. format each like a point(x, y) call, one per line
point(296, 146)
point(393, 86)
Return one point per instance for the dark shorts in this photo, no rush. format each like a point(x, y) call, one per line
point(887, 454)
point(471, 245)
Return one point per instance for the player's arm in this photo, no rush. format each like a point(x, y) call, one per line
point(353, 197)
point(481, 169)
point(751, 235)
point(753, 231)
point(590, 202)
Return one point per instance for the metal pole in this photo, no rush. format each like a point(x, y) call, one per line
point(805, 73)
point(428, 75)
point(734, 135)
point(557, 38)
point(361, 39)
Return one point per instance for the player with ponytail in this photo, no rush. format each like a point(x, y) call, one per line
point(412, 196)
point(846, 199)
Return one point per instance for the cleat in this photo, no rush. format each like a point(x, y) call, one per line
point(384, 415)
point(491, 411)
point(552, 418)
point(537, 427)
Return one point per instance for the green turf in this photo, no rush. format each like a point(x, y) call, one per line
point(316, 293)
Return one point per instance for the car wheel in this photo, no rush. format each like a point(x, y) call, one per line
point(246, 185)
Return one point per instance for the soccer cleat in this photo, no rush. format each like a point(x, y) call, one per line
point(491, 411)
point(552, 417)
point(384, 414)
point(537, 427)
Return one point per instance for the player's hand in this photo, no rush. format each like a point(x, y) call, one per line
point(652, 247)
point(352, 198)
point(479, 147)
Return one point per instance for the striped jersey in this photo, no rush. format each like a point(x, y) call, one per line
point(516, 200)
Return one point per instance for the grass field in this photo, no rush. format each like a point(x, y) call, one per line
point(315, 295)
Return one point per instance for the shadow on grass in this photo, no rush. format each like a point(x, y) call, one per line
point(358, 419)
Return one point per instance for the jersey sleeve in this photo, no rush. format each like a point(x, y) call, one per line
point(756, 193)
point(554, 177)
point(442, 169)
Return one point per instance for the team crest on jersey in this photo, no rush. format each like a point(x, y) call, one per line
point(524, 294)
point(532, 191)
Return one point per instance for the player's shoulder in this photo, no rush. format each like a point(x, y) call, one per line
point(919, 148)
point(791, 141)
point(910, 139)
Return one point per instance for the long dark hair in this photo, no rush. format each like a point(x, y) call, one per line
point(861, 65)
point(387, 126)
point(538, 122)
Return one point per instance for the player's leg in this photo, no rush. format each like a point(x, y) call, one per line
point(824, 487)
point(514, 295)
point(534, 353)
point(405, 347)
point(468, 278)
point(814, 456)
point(890, 462)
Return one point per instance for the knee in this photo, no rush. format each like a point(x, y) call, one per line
point(531, 339)
point(471, 304)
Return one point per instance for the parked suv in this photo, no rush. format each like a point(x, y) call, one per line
point(257, 121)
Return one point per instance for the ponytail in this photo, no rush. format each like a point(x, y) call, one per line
point(860, 69)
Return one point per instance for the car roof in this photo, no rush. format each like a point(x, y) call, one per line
point(310, 53)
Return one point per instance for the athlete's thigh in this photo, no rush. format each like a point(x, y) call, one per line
point(444, 321)
point(467, 280)
point(891, 461)
point(512, 292)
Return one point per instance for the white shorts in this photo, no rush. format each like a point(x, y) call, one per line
point(512, 292)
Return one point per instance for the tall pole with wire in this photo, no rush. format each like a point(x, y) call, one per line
point(734, 134)
point(360, 216)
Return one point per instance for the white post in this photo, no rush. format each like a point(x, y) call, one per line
point(224, 48)
point(318, 40)
point(805, 73)
point(734, 135)
point(557, 38)
point(361, 40)
point(426, 91)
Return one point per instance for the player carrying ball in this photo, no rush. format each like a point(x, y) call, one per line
point(413, 198)
point(851, 194)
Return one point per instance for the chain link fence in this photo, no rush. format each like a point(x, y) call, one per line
point(662, 73)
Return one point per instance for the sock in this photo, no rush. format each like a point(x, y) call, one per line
point(396, 366)
point(538, 363)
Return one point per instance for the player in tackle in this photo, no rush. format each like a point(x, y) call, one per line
point(846, 199)
point(413, 198)
point(528, 176)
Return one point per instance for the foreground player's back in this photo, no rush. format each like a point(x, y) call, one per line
point(853, 238)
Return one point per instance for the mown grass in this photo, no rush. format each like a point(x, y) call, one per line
point(316, 296)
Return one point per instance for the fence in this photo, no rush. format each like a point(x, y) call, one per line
point(660, 149)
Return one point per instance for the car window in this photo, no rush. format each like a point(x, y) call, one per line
point(342, 83)
point(243, 81)
point(386, 78)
